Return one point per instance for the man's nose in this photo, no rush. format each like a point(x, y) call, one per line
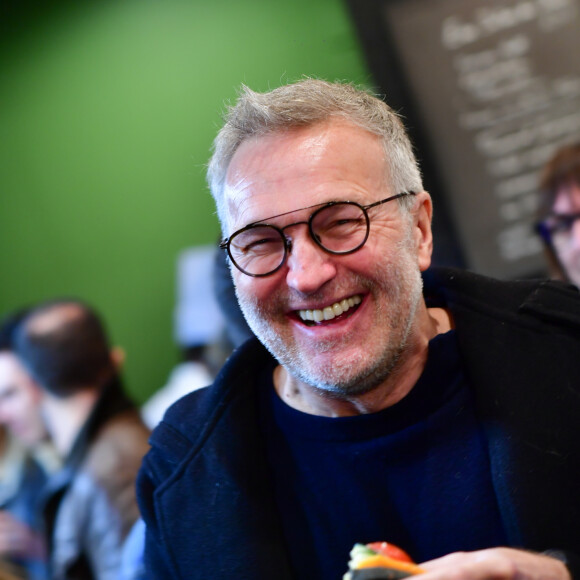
point(309, 266)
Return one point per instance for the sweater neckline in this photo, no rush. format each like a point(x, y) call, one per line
point(440, 380)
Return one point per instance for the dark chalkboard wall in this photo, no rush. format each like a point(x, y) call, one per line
point(489, 90)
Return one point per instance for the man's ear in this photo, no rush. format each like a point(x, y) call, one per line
point(423, 213)
point(118, 357)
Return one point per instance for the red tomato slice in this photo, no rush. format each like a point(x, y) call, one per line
point(389, 550)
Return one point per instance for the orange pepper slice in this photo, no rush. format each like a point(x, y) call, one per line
point(379, 561)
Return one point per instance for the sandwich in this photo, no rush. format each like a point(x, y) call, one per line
point(380, 561)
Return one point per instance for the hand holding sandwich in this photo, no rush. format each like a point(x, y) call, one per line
point(385, 561)
point(496, 564)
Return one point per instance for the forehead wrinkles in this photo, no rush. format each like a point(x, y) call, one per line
point(236, 196)
point(246, 206)
point(307, 158)
point(238, 212)
point(244, 190)
point(278, 219)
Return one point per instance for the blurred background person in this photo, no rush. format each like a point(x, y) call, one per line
point(208, 325)
point(22, 548)
point(199, 331)
point(89, 505)
point(559, 213)
point(27, 457)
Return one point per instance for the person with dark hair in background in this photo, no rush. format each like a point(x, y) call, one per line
point(27, 459)
point(559, 212)
point(90, 504)
point(383, 400)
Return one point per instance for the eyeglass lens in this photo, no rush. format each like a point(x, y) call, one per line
point(560, 225)
point(340, 228)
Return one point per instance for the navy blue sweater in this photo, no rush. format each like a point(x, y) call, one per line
point(420, 456)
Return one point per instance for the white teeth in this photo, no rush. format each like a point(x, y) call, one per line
point(328, 313)
point(331, 311)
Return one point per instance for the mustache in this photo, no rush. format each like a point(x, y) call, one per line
point(285, 298)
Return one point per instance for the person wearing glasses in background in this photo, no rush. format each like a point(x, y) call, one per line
point(382, 399)
point(559, 212)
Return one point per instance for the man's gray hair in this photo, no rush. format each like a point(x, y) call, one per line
point(306, 103)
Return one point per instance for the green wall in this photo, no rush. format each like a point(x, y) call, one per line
point(107, 114)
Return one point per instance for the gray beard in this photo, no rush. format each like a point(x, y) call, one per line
point(347, 378)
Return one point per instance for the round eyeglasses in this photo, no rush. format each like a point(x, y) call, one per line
point(337, 227)
point(557, 228)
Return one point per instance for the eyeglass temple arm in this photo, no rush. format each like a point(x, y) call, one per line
point(392, 198)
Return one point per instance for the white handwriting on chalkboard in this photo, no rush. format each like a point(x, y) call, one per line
point(457, 32)
point(517, 113)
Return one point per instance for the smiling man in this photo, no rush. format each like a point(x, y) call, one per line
point(362, 316)
point(383, 399)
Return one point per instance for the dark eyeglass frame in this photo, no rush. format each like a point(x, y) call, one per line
point(226, 242)
point(563, 224)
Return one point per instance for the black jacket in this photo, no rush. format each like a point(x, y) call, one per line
point(205, 491)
